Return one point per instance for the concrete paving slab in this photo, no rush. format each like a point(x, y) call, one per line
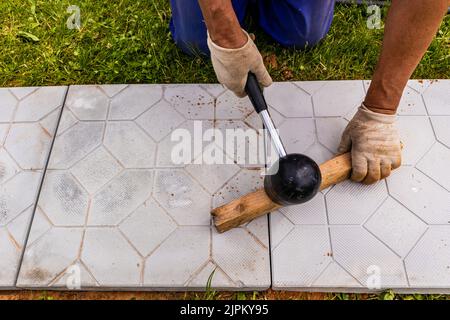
point(28, 119)
point(116, 212)
point(352, 237)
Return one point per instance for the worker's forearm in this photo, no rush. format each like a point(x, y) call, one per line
point(222, 23)
point(410, 27)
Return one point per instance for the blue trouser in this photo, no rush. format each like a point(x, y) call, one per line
point(292, 23)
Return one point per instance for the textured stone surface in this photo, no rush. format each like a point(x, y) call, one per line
point(420, 194)
point(133, 101)
point(88, 103)
point(360, 253)
point(431, 253)
point(352, 203)
point(116, 212)
point(442, 129)
point(161, 113)
point(337, 98)
point(393, 234)
point(301, 256)
point(432, 163)
point(289, 100)
point(38, 105)
point(148, 219)
point(192, 101)
point(329, 132)
point(415, 145)
point(396, 226)
point(437, 97)
point(411, 103)
point(122, 215)
point(119, 269)
point(28, 118)
point(303, 136)
point(66, 201)
point(49, 256)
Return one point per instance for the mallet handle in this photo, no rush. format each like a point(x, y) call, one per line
point(256, 96)
point(257, 203)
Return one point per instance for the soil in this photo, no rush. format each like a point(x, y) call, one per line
point(101, 295)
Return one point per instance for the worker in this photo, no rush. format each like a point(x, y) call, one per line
point(371, 135)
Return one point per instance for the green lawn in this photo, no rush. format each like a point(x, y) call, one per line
point(128, 41)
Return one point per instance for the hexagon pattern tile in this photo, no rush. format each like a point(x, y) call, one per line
point(437, 97)
point(117, 212)
point(352, 237)
point(28, 119)
point(115, 209)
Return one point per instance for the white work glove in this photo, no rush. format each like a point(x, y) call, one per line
point(232, 65)
point(374, 143)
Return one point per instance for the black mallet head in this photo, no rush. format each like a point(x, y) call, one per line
point(293, 179)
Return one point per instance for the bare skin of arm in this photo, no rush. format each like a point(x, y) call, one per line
point(410, 27)
point(222, 23)
point(409, 30)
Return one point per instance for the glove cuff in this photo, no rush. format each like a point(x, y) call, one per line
point(379, 117)
point(224, 52)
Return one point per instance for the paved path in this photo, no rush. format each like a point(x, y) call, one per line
point(116, 212)
point(28, 118)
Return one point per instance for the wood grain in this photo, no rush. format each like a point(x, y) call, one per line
point(255, 204)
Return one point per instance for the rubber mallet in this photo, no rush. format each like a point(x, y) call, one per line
point(293, 179)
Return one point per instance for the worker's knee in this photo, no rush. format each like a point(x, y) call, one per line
point(307, 38)
point(298, 23)
point(191, 43)
point(187, 27)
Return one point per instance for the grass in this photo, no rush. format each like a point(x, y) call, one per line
point(210, 294)
point(128, 41)
point(264, 295)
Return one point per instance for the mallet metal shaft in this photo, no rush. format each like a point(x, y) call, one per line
point(260, 105)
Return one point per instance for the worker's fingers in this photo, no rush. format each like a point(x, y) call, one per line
point(397, 161)
point(385, 168)
point(346, 142)
point(373, 172)
point(262, 74)
point(359, 167)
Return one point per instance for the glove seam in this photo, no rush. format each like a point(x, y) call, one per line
point(227, 50)
point(384, 118)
